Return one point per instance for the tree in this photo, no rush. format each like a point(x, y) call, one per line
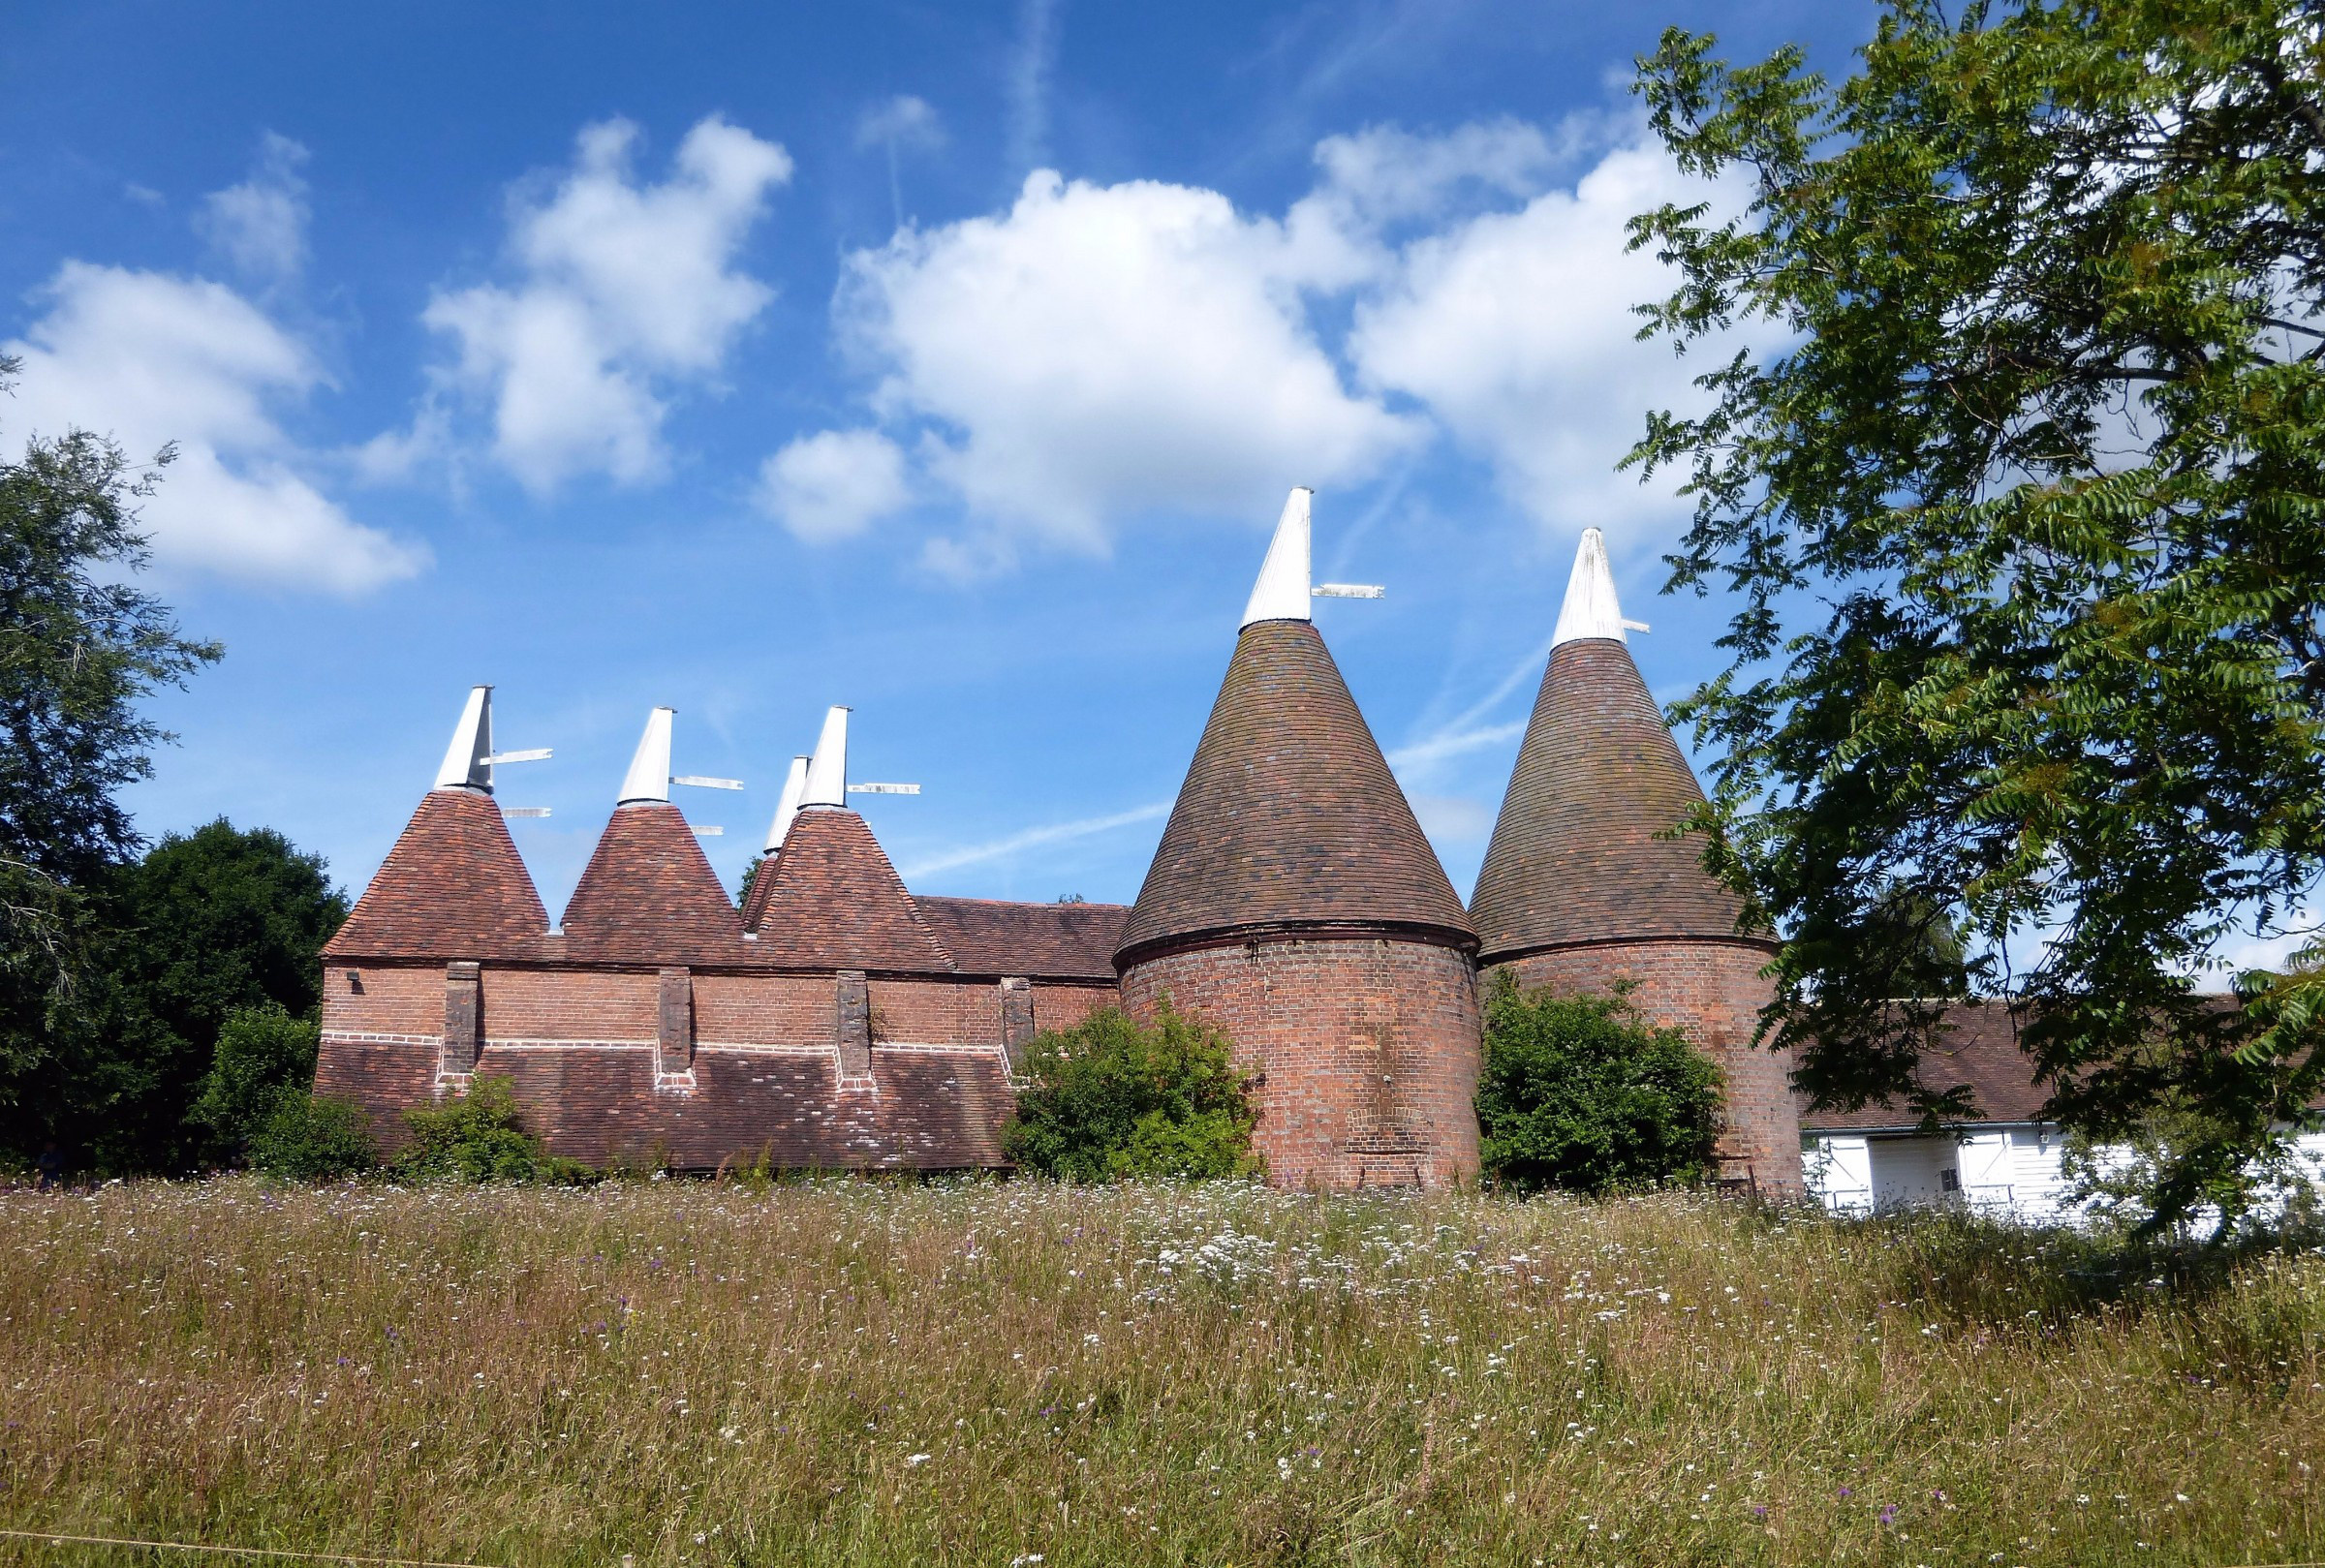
point(1578, 1091)
point(314, 1138)
point(262, 1056)
point(80, 648)
point(1109, 1099)
point(2022, 513)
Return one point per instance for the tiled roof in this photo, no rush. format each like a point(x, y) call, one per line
point(1575, 855)
point(834, 902)
point(1981, 1050)
point(454, 887)
point(649, 897)
point(1059, 941)
point(1290, 815)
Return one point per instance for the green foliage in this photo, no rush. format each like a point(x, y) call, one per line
point(1109, 1099)
point(80, 648)
point(2026, 521)
point(478, 1137)
point(313, 1138)
point(1579, 1092)
point(742, 889)
point(264, 1054)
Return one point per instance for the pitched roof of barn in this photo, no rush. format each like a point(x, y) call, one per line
point(833, 901)
point(454, 887)
point(648, 895)
point(1056, 942)
point(1290, 815)
point(1576, 854)
point(1979, 1050)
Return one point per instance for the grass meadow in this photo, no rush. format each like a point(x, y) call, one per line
point(997, 1374)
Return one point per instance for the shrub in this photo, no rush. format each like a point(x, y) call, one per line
point(1108, 1099)
point(313, 1138)
point(1580, 1092)
point(264, 1059)
point(479, 1137)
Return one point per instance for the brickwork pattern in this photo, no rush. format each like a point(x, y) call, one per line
point(1369, 1052)
point(1713, 992)
point(1062, 1006)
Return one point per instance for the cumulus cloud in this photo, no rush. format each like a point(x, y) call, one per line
point(624, 293)
point(834, 484)
point(1515, 329)
point(150, 360)
point(1101, 352)
point(260, 226)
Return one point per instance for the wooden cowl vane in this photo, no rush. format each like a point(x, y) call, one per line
point(453, 888)
point(1294, 901)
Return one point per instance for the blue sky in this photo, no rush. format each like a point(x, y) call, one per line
point(947, 361)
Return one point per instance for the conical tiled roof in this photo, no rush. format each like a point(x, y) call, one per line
point(454, 887)
point(649, 897)
point(833, 901)
point(1290, 816)
point(1575, 855)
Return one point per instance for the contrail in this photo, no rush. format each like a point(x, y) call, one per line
point(1055, 833)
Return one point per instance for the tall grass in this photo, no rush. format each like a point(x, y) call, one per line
point(995, 1374)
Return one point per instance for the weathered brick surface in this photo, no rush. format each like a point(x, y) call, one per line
point(571, 1004)
point(384, 999)
point(1062, 1006)
point(764, 1009)
point(382, 1077)
point(1712, 992)
point(1369, 1050)
point(935, 1012)
point(463, 1018)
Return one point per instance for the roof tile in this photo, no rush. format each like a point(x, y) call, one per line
point(649, 897)
point(454, 887)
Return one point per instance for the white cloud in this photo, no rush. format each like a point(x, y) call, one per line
point(834, 484)
point(1516, 330)
point(1099, 352)
point(1103, 351)
point(261, 224)
point(150, 360)
point(1033, 838)
point(626, 292)
point(899, 122)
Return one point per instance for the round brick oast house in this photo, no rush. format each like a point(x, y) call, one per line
point(1295, 903)
point(1580, 890)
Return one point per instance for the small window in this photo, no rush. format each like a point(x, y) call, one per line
point(1949, 1180)
point(354, 981)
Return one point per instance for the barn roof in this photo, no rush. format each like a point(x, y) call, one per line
point(833, 901)
point(454, 887)
point(1980, 1050)
point(649, 897)
point(1056, 942)
point(1290, 815)
point(1578, 853)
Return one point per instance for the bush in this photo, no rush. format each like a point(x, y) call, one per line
point(1580, 1092)
point(1108, 1099)
point(313, 1138)
point(264, 1059)
point(479, 1137)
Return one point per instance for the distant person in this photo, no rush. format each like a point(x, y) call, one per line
point(50, 1167)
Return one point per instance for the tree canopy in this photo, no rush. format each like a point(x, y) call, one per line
point(2019, 491)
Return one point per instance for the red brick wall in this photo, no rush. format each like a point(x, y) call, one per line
point(1712, 992)
point(397, 999)
point(1370, 1050)
point(764, 1009)
point(1058, 1006)
point(601, 1102)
